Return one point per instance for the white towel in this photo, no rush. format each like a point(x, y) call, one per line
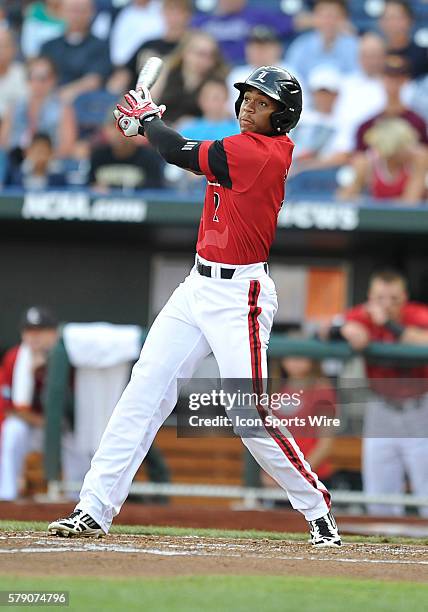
point(96, 392)
point(23, 377)
point(101, 345)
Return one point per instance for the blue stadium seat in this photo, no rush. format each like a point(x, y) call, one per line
point(420, 10)
point(92, 110)
point(76, 172)
point(3, 165)
point(313, 183)
point(103, 5)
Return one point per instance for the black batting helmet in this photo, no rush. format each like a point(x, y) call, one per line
point(281, 86)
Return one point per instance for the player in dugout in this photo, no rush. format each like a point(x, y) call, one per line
point(21, 399)
point(225, 306)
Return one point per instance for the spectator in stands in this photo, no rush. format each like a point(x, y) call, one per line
point(24, 375)
point(396, 75)
point(177, 14)
point(39, 170)
point(262, 48)
point(139, 21)
point(327, 44)
point(196, 60)
point(417, 97)
point(395, 440)
point(12, 73)
point(216, 121)
point(4, 24)
point(232, 21)
point(317, 138)
point(362, 94)
point(41, 110)
point(121, 163)
point(394, 166)
point(82, 60)
point(43, 21)
point(396, 24)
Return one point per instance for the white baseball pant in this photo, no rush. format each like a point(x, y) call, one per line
point(18, 438)
point(231, 318)
point(392, 450)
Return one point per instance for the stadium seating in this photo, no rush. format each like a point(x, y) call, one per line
point(92, 110)
point(321, 183)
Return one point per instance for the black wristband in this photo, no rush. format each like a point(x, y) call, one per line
point(396, 329)
point(335, 333)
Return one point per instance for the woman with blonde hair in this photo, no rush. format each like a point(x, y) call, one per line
point(195, 60)
point(393, 168)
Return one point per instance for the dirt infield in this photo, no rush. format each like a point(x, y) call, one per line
point(127, 555)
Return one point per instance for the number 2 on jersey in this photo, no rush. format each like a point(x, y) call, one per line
point(216, 205)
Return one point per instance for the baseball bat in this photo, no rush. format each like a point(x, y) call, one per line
point(147, 77)
point(149, 73)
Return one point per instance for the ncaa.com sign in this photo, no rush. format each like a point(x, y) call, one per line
point(319, 215)
point(71, 206)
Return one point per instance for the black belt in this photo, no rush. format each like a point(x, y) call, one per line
point(224, 272)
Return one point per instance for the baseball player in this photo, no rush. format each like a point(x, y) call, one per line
point(21, 391)
point(24, 369)
point(225, 306)
point(396, 415)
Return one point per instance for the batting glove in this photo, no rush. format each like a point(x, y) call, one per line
point(141, 106)
point(128, 126)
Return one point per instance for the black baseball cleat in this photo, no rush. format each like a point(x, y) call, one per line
point(77, 524)
point(324, 532)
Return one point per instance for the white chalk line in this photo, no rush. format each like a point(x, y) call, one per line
point(238, 544)
point(92, 547)
point(18, 537)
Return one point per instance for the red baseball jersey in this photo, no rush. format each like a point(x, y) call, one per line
point(246, 186)
point(391, 380)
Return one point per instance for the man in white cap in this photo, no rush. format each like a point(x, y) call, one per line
point(317, 136)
